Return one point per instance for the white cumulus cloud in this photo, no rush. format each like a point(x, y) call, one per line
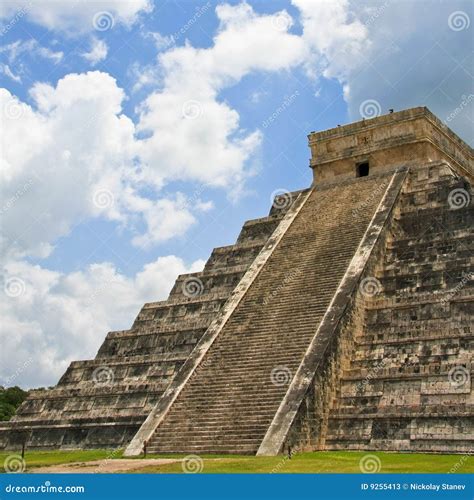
point(76, 16)
point(336, 40)
point(50, 318)
point(98, 52)
point(194, 134)
point(70, 157)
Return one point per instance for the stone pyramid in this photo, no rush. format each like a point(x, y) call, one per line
point(343, 320)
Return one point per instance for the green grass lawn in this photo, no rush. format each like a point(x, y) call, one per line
point(317, 462)
point(327, 462)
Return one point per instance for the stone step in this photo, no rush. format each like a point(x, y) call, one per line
point(251, 388)
point(422, 345)
point(428, 263)
point(209, 425)
point(248, 371)
point(367, 403)
point(174, 343)
point(181, 326)
point(154, 327)
point(205, 449)
point(210, 441)
point(429, 222)
point(396, 339)
point(433, 196)
point(257, 229)
point(404, 248)
point(126, 361)
point(414, 357)
point(91, 390)
point(246, 438)
point(172, 313)
point(404, 411)
point(403, 240)
point(223, 404)
point(252, 343)
point(410, 371)
point(415, 299)
point(208, 282)
point(233, 255)
point(425, 280)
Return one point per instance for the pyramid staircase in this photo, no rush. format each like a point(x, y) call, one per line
point(227, 398)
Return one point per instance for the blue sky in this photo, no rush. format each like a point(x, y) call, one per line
point(138, 135)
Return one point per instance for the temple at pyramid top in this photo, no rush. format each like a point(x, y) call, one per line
point(374, 145)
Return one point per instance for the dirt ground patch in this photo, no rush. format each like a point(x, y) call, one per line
point(104, 466)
